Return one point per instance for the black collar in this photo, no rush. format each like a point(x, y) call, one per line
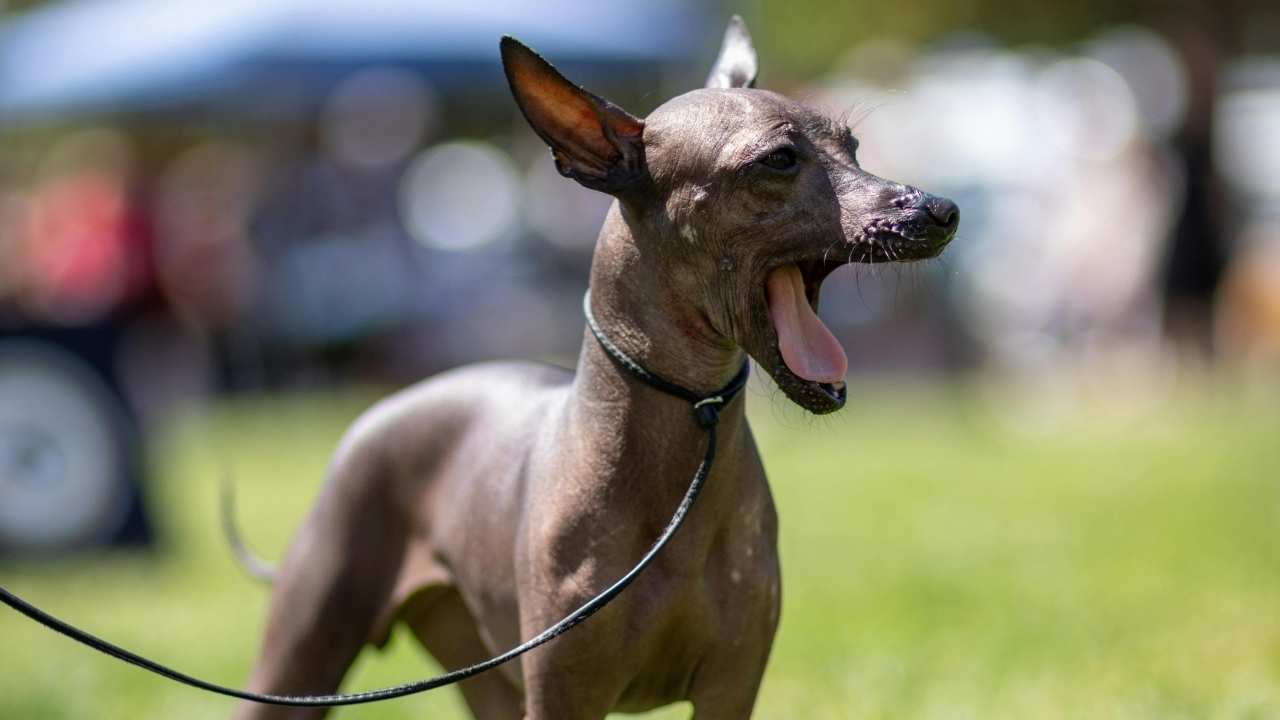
point(706, 409)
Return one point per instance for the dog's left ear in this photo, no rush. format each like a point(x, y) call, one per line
point(592, 140)
point(736, 67)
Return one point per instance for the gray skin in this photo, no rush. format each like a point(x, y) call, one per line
point(483, 505)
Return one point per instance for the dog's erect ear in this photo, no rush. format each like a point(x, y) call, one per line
point(592, 140)
point(736, 67)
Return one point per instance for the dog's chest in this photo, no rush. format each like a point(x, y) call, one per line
point(723, 615)
point(719, 610)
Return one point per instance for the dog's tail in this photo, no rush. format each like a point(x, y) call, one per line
point(253, 566)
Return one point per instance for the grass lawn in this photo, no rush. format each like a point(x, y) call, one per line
point(939, 562)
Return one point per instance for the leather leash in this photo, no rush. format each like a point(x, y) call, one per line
point(706, 411)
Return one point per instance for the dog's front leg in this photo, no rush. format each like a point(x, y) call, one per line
point(731, 689)
point(331, 589)
point(559, 686)
point(581, 674)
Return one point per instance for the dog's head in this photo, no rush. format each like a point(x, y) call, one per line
point(748, 199)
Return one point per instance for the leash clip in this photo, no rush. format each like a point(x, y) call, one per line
point(707, 411)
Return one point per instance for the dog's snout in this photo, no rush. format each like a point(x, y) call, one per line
point(942, 212)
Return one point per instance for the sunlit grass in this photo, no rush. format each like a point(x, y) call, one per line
point(938, 562)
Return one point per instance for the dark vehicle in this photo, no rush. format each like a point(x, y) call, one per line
point(70, 460)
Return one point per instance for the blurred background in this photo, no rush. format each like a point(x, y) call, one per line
point(226, 228)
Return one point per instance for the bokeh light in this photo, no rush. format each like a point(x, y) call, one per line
point(1085, 108)
point(564, 214)
point(1248, 141)
point(203, 259)
point(1153, 71)
point(80, 244)
point(375, 118)
point(460, 196)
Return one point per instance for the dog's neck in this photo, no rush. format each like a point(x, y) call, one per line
point(630, 424)
point(646, 309)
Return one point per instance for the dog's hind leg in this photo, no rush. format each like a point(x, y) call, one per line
point(335, 582)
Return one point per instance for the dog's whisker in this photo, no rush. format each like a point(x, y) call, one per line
point(827, 252)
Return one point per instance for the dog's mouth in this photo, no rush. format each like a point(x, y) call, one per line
point(811, 363)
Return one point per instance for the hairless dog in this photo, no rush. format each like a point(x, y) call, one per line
point(482, 505)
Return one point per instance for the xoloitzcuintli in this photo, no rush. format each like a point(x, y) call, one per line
point(482, 505)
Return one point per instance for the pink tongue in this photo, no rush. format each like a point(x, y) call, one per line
point(808, 347)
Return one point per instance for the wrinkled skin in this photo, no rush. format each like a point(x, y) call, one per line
point(483, 505)
point(728, 219)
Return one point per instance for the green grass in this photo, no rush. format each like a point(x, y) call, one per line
point(939, 562)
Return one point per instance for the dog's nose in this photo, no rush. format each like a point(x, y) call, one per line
point(943, 212)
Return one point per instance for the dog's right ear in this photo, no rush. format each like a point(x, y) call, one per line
point(592, 140)
point(736, 66)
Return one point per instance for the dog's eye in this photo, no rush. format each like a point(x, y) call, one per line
point(782, 160)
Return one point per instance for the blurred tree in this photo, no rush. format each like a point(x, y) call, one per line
point(802, 38)
point(12, 6)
